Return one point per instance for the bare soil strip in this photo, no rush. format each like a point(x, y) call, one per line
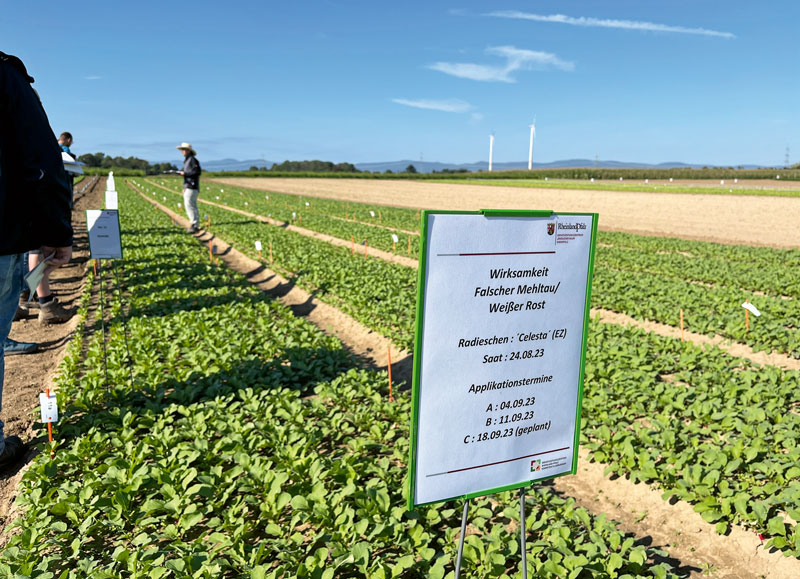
point(737, 219)
point(639, 508)
point(27, 375)
point(605, 316)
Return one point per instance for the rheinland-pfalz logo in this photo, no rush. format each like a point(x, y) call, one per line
point(551, 228)
point(536, 465)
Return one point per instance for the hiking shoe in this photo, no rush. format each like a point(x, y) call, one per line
point(22, 313)
point(53, 312)
point(11, 347)
point(12, 452)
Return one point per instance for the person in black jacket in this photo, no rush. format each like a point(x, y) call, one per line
point(34, 200)
point(191, 185)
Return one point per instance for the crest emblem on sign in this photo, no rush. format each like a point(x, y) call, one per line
point(551, 228)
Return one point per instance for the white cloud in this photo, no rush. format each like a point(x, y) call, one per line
point(608, 23)
point(516, 59)
point(448, 106)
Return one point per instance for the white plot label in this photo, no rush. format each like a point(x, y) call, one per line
point(49, 407)
point(112, 201)
point(504, 302)
point(104, 238)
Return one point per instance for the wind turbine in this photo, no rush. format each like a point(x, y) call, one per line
point(491, 149)
point(530, 149)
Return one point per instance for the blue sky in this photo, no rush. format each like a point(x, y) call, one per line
point(663, 80)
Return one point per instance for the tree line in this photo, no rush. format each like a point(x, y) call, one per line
point(124, 164)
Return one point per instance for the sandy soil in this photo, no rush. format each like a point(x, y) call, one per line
point(27, 375)
point(761, 221)
point(692, 543)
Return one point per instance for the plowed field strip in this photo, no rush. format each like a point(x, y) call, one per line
point(717, 218)
point(638, 507)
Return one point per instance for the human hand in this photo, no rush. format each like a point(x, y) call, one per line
point(58, 256)
point(181, 172)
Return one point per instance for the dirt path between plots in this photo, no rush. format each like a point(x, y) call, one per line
point(639, 508)
point(762, 221)
point(27, 375)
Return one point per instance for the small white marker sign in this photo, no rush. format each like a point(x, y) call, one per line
point(395, 238)
point(751, 308)
point(49, 407)
point(104, 234)
point(258, 246)
point(372, 213)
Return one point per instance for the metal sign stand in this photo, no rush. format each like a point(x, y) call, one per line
point(103, 324)
point(523, 550)
point(124, 321)
point(461, 538)
point(522, 529)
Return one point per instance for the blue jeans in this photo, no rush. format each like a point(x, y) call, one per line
point(10, 287)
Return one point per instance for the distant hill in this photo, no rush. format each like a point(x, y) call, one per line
point(430, 166)
point(234, 164)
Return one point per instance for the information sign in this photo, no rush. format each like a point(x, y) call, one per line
point(104, 238)
point(112, 200)
point(502, 313)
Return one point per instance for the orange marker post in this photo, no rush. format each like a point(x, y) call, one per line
point(379, 217)
point(300, 218)
point(746, 318)
point(389, 354)
point(365, 249)
point(352, 245)
point(210, 254)
point(394, 248)
point(270, 253)
point(681, 324)
point(94, 261)
point(49, 427)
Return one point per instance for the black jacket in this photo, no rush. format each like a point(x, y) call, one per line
point(34, 192)
point(191, 173)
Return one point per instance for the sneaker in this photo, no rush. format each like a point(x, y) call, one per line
point(192, 229)
point(11, 347)
point(12, 452)
point(53, 312)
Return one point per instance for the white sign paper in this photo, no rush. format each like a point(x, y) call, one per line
point(104, 235)
point(112, 201)
point(498, 381)
point(258, 246)
point(49, 407)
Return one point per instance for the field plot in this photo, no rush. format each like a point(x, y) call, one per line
point(205, 453)
point(700, 425)
point(232, 438)
point(760, 221)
